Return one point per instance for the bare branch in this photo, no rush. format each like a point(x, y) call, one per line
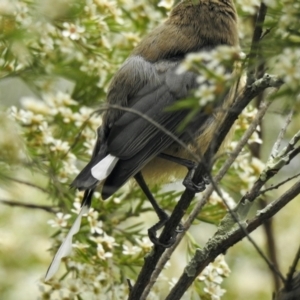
point(281, 135)
point(293, 293)
point(276, 186)
point(222, 242)
point(257, 35)
point(25, 183)
point(233, 155)
point(46, 208)
point(241, 102)
point(292, 271)
point(273, 166)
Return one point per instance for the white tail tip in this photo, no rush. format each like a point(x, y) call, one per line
point(104, 167)
point(66, 246)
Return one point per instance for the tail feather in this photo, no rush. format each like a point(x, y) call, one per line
point(94, 172)
point(104, 167)
point(66, 247)
point(84, 180)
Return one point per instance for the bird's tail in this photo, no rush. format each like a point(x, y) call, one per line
point(99, 167)
point(85, 180)
point(66, 246)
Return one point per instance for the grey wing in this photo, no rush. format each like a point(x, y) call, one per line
point(133, 138)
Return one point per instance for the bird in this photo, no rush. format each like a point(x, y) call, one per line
point(136, 137)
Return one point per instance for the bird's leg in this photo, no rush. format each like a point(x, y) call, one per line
point(162, 215)
point(191, 166)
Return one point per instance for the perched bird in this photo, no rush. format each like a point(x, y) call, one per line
point(147, 84)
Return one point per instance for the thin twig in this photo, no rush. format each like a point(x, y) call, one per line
point(271, 248)
point(129, 284)
point(26, 183)
point(267, 31)
point(276, 186)
point(281, 135)
point(257, 34)
point(46, 208)
point(292, 271)
point(77, 137)
point(272, 267)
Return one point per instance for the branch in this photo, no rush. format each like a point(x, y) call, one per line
point(292, 271)
point(293, 293)
point(257, 35)
point(291, 289)
point(221, 242)
point(273, 166)
point(241, 102)
point(46, 208)
point(26, 183)
point(195, 212)
point(240, 212)
point(276, 186)
point(281, 135)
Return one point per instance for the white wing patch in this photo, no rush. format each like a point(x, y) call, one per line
point(104, 167)
point(65, 248)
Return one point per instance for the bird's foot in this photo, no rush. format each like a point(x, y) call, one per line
point(196, 188)
point(192, 186)
point(155, 240)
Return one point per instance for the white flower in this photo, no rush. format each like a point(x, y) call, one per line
point(131, 250)
point(287, 65)
point(221, 266)
point(214, 290)
point(74, 32)
point(105, 240)
point(59, 146)
point(172, 282)
point(45, 293)
point(74, 286)
point(80, 246)
point(66, 113)
point(59, 100)
point(102, 254)
point(257, 165)
point(212, 276)
point(168, 4)
point(95, 224)
point(205, 93)
point(34, 105)
point(271, 3)
point(224, 52)
point(85, 115)
point(249, 6)
point(60, 221)
point(77, 206)
point(26, 117)
point(144, 243)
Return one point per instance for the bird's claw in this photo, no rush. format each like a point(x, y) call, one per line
point(196, 188)
point(156, 242)
point(153, 238)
